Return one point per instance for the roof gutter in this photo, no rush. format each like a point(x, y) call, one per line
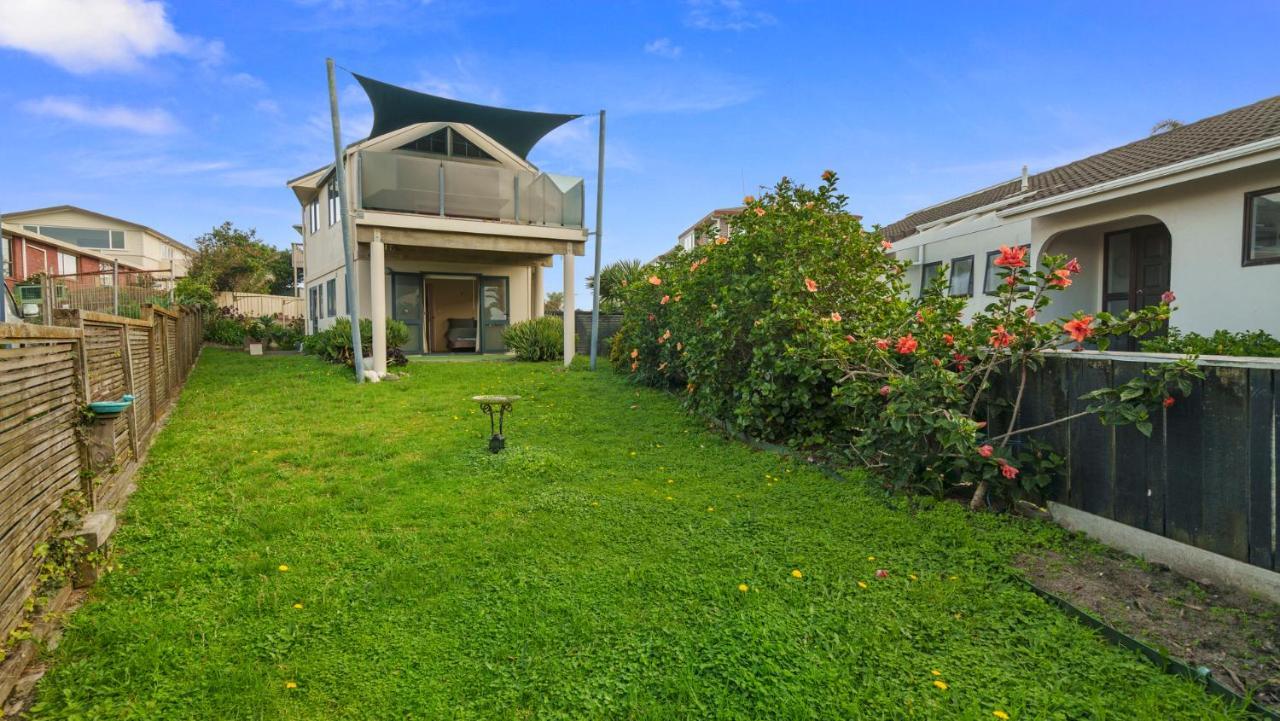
point(1165, 171)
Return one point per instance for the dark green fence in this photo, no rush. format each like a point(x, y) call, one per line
point(609, 324)
point(1207, 475)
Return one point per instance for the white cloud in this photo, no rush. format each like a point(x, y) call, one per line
point(147, 121)
point(85, 36)
point(268, 106)
point(725, 15)
point(663, 48)
point(246, 81)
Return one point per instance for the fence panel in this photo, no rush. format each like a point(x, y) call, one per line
point(1207, 474)
point(260, 304)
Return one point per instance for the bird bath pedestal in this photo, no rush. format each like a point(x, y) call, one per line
point(503, 405)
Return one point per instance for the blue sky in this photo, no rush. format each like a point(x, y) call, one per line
point(180, 115)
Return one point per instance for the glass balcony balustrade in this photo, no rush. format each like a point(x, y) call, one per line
point(405, 183)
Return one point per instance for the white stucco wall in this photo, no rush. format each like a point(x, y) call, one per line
point(1205, 218)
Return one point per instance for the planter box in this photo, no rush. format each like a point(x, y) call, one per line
point(255, 348)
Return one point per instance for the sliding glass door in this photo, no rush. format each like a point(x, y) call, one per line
point(495, 313)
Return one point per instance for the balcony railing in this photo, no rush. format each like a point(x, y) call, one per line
point(431, 186)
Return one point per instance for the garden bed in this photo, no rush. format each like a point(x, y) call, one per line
point(1230, 632)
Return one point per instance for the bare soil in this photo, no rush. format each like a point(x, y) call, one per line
point(1233, 633)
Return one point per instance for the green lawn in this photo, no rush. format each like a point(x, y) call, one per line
point(592, 570)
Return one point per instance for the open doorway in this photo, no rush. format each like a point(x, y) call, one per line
point(452, 317)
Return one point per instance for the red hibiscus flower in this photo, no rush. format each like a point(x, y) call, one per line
point(881, 573)
point(1168, 401)
point(1167, 297)
point(848, 339)
point(1008, 471)
point(886, 245)
point(961, 361)
point(759, 211)
point(665, 300)
point(985, 450)
point(835, 316)
point(948, 339)
point(882, 343)
point(828, 175)
point(907, 344)
point(884, 391)
point(655, 280)
point(810, 285)
point(1012, 257)
point(1061, 279)
point(1001, 338)
point(1073, 265)
point(1078, 328)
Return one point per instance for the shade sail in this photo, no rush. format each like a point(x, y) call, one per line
point(517, 130)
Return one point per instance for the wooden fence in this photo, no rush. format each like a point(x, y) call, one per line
point(258, 304)
point(47, 375)
point(609, 324)
point(1205, 477)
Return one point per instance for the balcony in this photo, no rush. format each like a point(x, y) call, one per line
point(403, 183)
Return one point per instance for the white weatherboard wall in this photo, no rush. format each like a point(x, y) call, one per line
point(1205, 218)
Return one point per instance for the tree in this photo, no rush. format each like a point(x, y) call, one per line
point(554, 302)
point(614, 277)
point(228, 258)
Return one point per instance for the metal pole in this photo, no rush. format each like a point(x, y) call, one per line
point(595, 295)
point(173, 282)
point(115, 287)
point(339, 172)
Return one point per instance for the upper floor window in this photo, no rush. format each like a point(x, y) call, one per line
point(1262, 227)
point(962, 276)
point(313, 216)
point(333, 202)
point(83, 237)
point(446, 141)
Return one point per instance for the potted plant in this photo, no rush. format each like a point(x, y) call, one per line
point(254, 335)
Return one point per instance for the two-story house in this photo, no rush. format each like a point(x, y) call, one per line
point(452, 225)
point(130, 243)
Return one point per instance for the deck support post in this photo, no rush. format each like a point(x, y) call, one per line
point(536, 294)
point(569, 314)
point(378, 301)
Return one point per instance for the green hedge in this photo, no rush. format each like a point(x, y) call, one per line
point(539, 339)
point(334, 343)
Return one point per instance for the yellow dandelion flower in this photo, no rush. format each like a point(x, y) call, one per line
point(283, 568)
point(290, 684)
point(795, 573)
point(671, 480)
point(912, 576)
point(669, 498)
point(955, 578)
point(942, 685)
point(633, 454)
point(710, 509)
point(743, 587)
point(862, 584)
point(297, 605)
point(936, 672)
point(871, 558)
point(1000, 715)
point(595, 503)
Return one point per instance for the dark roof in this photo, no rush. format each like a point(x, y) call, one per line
point(517, 130)
point(1233, 128)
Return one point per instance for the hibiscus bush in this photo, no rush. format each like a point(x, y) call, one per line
point(798, 328)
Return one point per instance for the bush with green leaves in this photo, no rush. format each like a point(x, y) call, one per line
point(798, 328)
point(537, 339)
point(1257, 343)
point(193, 293)
point(334, 343)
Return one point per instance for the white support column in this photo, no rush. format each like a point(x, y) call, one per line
point(378, 302)
point(538, 295)
point(568, 305)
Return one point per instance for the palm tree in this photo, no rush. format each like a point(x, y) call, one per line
point(613, 278)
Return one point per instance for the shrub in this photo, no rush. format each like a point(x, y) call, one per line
point(225, 327)
point(797, 328)
point(1256, 343)
point(192, 293)
point(334, 343)
point(538, 339)
point(228, 326)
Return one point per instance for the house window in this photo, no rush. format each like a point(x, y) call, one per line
point(447, 141)
point(991, 281)
point(313, 216)
point(331, 293)
point(83, 237)
point(313, 304)
point(1262, 227)
point(962, 276)
point(928, 275)
point(333, 203)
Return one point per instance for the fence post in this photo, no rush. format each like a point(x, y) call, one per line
point(46, 310)
point(149, 316)
point(127, 360)
point(115, 287)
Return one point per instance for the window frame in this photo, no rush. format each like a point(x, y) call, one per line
point(313, 216)
point(333, 199)
point(951, 274)
point(331, 296)
point(988, 289)
point(926, 273)
point(1245, 254)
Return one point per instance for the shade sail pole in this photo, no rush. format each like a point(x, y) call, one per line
point(340, 174)
point(595, 291)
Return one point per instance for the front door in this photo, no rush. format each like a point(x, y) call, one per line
point(406, 307)
point(1137, 272)
point(495, 313)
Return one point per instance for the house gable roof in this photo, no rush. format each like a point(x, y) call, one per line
point(19, 214)
point(1234, 128)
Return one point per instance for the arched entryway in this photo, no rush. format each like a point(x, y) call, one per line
point(1125, 265)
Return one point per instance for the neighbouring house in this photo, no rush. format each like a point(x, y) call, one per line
point(27, 254)
point(711, 226)
point(452, 225)
point(1195, 210)
point(128, 242)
